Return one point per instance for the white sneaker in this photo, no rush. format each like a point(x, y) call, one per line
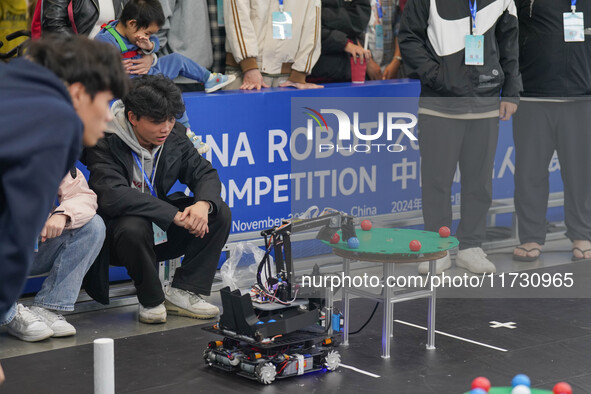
point(475, 261)
point(440, 265)
point(153, 315)
point(185, 303)
point(27, 326)
point(55, 321)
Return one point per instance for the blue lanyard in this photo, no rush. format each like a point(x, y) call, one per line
point(141, 167)
point(281, 6)
point(473, 10)
point(380, 13)
point(573, 5)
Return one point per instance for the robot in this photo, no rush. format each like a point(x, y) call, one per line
point(268, 334)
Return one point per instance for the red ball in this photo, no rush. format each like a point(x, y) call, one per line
point(562, 388)
point(415, 245)
point(366, 225)
point(480, 382)
point(444, 232)
point(335, 238)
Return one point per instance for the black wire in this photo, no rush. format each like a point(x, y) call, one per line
point(375, 308)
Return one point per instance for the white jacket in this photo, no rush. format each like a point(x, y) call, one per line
point(250, 43)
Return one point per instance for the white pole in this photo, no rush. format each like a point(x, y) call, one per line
point(104, 366)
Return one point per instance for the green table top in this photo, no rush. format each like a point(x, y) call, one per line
point(507, 390)
point(394, 242)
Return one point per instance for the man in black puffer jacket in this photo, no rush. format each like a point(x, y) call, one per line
point(343, 25)
point(459, 108)
point(132, 171)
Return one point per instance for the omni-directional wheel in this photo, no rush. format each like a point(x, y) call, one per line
point(206, 357)
point(332, 360)
point(265, 373)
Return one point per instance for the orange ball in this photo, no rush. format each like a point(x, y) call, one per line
point(415, 245)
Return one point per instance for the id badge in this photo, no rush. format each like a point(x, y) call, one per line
point(474, 50)
point(282, 25)
point(380, 37)
point(159, 235)
point(574, 27)
point(221, 22)
point(36, 245)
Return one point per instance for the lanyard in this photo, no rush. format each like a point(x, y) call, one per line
point(473, 10)
point(573, 5)
point(281, 6)
point(380, 12)
point(148, 180)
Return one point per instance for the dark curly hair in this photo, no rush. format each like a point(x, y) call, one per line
point(156, 97)
point(73, 58)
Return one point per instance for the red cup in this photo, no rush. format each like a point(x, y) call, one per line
point(358, 69)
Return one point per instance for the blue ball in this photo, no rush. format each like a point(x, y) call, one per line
point(478, 391)
point(521, 379)
point(353, 243)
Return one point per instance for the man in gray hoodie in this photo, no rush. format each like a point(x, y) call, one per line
point(131, 172)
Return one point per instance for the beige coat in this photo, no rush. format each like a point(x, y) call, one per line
point(250, 43)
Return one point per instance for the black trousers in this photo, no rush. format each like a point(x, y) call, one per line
point(132, 245)
point(540, 128)
point(443, 144)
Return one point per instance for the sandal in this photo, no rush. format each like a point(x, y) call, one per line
point(581, 259)
point(528, 259)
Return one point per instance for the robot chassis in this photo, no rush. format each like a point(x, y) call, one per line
point(278, 336)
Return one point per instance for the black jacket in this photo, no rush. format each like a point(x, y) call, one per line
point(432, 42)
point(550, 66)
point(111, 171)
point(342, 20)
point(54, 17)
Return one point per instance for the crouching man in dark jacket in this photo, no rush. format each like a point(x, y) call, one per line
point(132, 171)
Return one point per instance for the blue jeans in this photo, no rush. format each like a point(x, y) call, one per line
point(175, 64)
point(66, 258)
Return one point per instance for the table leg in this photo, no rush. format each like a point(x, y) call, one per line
point(431, 311)
point(388, 319)
point(346, 270)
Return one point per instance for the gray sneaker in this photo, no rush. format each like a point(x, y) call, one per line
point(55, 321)
point(27, 326)
point(185, 303)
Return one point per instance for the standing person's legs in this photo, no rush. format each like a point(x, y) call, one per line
point(440, 141)
point(573, 138)
point(476, 165)
point(534, 137)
